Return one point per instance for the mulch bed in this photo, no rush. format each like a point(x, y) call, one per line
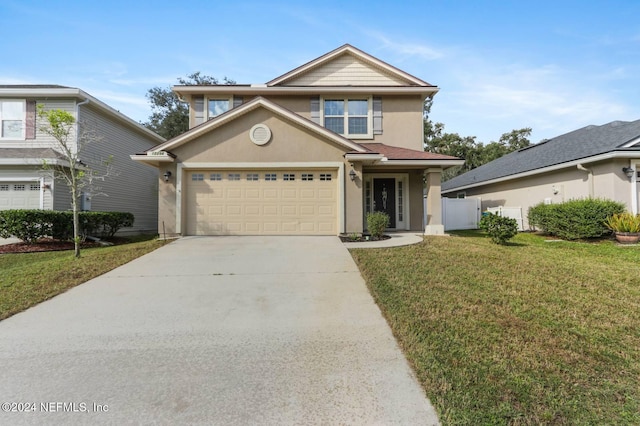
point(362, 239)
point(48, 244)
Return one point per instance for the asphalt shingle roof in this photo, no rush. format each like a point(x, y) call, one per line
point(582, 143)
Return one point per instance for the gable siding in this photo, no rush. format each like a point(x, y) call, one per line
point(133, 187)
point(346, 70)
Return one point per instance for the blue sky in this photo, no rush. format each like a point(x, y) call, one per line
point(554, 66)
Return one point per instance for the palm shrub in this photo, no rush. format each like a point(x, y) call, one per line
point(574, 219)
point(500, 228)
point(623, 222)
point(377, 222)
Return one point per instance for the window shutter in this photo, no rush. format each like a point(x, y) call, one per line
point(377, 115)
point(237, 101)
point(30, 122)
point(198, 110)
point(315, 110)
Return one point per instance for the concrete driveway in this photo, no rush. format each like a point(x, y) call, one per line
point(212, 330)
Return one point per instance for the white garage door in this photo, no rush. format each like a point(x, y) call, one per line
point(261, 202)
point(19, 195)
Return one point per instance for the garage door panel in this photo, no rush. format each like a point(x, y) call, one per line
point(19, 195)
point(252, 194)
point(289, 210)
point(252, 210)
point(326, 211)
point(234, 193)
point(271, 193)
point(290, 193)
point(253, 205)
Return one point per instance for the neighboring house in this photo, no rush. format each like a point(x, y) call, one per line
point(307, 153)
point(23, 148)
point(595, 161)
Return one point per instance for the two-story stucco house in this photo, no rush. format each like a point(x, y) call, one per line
point(310, 152)
point(23, 148)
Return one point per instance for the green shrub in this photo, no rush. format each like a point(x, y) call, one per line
point(500, 229)
point(27, 225)
point(377, 222)
point(30, 225)
point(574, 219)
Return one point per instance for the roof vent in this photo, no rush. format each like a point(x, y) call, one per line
point(260, 134)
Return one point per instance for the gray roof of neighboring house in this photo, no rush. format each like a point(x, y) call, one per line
point(33, 86)
point(582, 143)
point(37, 153)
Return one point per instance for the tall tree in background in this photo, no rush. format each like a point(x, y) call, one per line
point(170, 116)
point(474, 153)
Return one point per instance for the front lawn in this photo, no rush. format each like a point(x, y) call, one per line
point(27, 279)
point(530, 333)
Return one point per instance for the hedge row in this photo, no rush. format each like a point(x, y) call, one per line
point(30, 225)
point(574, 219)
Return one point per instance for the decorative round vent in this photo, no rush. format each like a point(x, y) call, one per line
point(260, 134)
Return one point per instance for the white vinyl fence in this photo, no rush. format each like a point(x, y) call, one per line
point(512, 212)
point(460, 213)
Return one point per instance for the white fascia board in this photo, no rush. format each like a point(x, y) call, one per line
point(570, 164)
point(32, 162)
point(305, 90)
point(428, 163)
point(364, 157)
point(152, 160)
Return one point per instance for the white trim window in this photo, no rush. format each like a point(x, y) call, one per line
point(12, 119)
point(217, 106)
point(349, 117)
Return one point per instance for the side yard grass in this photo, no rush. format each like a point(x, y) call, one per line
point(530, 333)
point(27, 279)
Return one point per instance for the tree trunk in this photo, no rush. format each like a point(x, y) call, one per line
point(76, 230)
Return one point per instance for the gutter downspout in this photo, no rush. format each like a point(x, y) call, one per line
point(589, 178)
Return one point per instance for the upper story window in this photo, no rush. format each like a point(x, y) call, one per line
point(350, 117)
point(218, 106)
point(12, 119)
point(357, 117)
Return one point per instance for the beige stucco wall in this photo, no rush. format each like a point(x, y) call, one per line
point(416, 200)
point(230, 143)
point(608, 182)
point(401, 118)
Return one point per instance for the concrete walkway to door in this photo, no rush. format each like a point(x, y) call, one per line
point(213, 330)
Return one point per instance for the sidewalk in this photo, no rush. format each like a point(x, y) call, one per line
point(397, 239)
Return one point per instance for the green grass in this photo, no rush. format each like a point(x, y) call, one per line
point(30, 278)
point(530, 333)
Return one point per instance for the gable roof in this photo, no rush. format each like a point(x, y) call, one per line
point(359, 55)
point(346, 70)
point(258, 102)
point(590, 143)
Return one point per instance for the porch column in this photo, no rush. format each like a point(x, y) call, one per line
point(434, 203)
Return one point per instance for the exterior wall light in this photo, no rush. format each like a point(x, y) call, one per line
point(167, 175)
point(352, 175)
point(628, 171)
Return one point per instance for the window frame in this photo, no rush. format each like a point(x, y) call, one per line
point(217, 98)
point(346, 99)
point(23, 119)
